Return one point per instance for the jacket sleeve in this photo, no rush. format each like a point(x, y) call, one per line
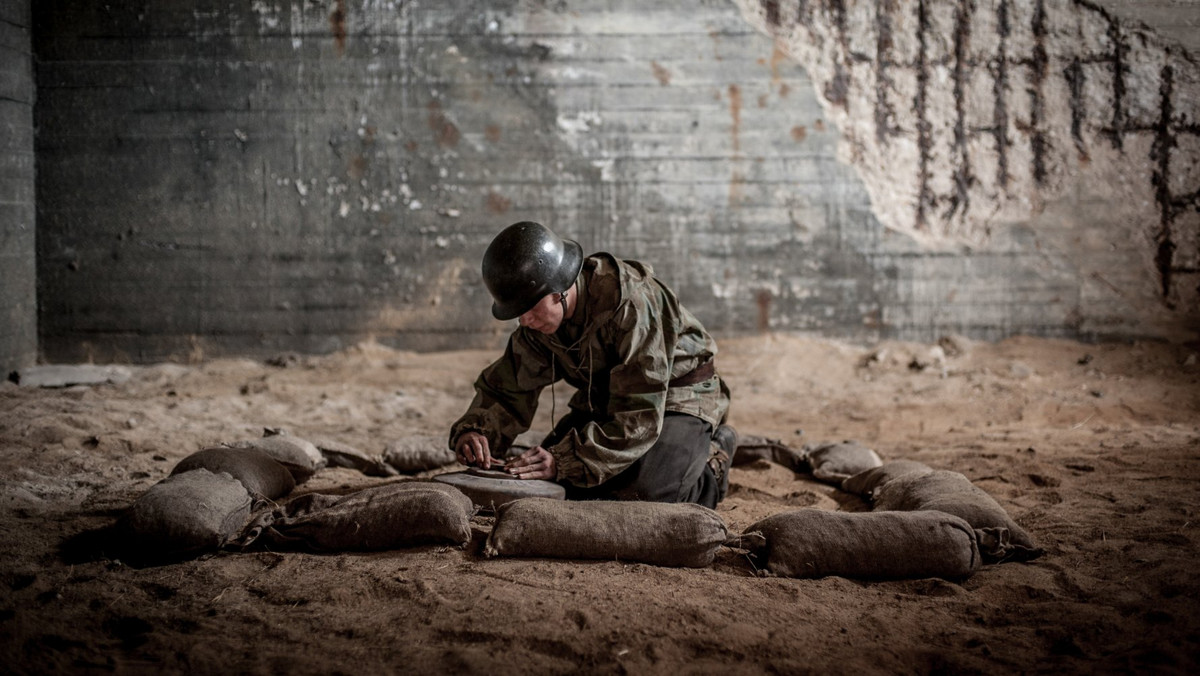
point(637, 398)
point(506, 394)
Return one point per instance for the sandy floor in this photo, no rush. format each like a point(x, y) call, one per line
point(1092, 448)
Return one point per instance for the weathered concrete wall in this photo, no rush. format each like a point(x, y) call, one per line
point(219, 177)
point(973, 120)
point(18, 295)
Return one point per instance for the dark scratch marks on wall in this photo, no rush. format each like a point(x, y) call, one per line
point(771, 8)
point(1160, 153)
point(962, 171)
point(884, 113)
point(804, 12)
point(924, 127)
point(1075, 80)
point(1000, 90)
point(1120, 70)
point(1037, 102)
point(838, 9)
point(838, 88)
point(1005, 109)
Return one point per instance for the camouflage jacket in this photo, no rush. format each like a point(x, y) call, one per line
point(627, 340)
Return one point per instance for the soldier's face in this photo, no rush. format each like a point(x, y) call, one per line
point(545, 317)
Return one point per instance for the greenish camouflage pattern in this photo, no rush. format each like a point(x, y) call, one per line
point(628, 339)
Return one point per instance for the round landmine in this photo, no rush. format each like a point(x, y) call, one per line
point(490, 488)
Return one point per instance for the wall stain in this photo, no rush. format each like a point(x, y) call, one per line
point(778, 56)
point(444, 131)
point(497, 203)
point(735, 112)
point(337, 22)
point(661, 74)
point(763, 299)
point(799, 133)
point(492, 133)
point(737, 183)
point(356, 168)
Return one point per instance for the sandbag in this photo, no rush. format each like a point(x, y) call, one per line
point(259, 473)
point(835, 462)
point(418, 453)
point(337, 454)
point(751, 447)
point(953, 493)
point(491, 488)
point(663, 534)
point(299, 456)
point(184, 515)
point(865, 483)
point(810, 543)
point(383, 517)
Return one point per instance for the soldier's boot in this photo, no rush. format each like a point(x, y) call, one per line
point(724, 447)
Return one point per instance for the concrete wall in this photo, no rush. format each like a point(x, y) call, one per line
point(18, 301)
point(252, 177)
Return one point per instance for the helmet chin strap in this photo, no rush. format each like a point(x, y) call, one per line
point(562, 299)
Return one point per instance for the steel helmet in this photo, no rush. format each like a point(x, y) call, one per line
point(525, 262)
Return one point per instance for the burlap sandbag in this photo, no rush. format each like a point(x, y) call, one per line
point(813, 543)
point(391, 516)
point(299, 456)
point(185, 515)
point(835, 462)
point(1001, 538)
point(337, 454)
point(662, 534)
point(418, 453)
point(259, 473)
point(866, 483)
point(751, 447)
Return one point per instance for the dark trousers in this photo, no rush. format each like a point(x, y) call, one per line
point(675, 469)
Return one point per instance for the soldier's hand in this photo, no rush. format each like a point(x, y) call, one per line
point(536, 463)
point(473, 450)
